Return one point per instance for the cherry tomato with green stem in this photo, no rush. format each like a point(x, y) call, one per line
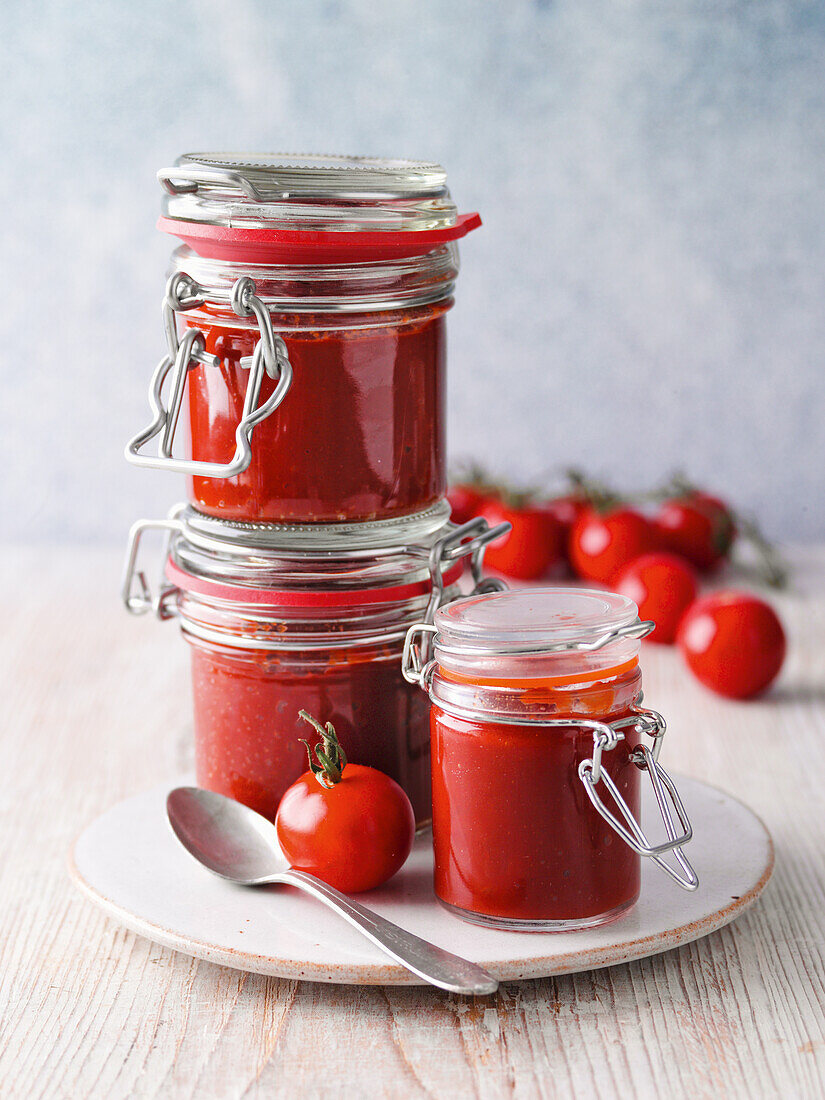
point(733, 642)
point(350, 825)
point(663, 586)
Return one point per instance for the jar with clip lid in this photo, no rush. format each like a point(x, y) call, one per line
point(540, 743)
point(305, 323)
point(278, 628)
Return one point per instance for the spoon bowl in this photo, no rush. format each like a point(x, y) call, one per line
point(228, 838)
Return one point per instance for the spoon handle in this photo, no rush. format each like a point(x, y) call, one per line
point(433, 964)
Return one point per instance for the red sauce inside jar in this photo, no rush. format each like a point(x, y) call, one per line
point(514, 832)
point(247, 731)
point(358, 436)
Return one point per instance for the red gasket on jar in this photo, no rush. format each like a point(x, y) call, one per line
point(270, 597)
point(281, 246)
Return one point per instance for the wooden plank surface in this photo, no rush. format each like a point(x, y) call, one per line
point(95, 706)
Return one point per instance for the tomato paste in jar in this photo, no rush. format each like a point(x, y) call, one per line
point(359, 435)
point(278, 624)
point(515, 836)
point(322, 642)
point(247, 731)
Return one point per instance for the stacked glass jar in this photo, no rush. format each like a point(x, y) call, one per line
point(305, 323)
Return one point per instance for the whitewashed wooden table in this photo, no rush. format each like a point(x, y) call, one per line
point(95, 706)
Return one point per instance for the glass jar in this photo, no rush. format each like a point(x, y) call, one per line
point(275, 631)
point(317, 287)
point(537, 756)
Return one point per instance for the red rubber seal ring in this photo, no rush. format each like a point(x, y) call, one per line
point(298, 246)
point(272, 597)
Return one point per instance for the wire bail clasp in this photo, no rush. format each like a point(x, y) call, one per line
point(269, 356)
point(415, 666)
point(591, 771)
point(469, 540)
point(135, 592)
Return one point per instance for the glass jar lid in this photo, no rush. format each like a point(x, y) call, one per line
point(326, 539)
point(222, 560)
point(533, 621)
point(308, 208)
point(537, 633)
point(276, 180)
point(224, 572)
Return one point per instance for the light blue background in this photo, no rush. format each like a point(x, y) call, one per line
point(648, 289)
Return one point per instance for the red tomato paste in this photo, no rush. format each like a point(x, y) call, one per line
point(358, 436)
point(247, 730)
point(514, 832)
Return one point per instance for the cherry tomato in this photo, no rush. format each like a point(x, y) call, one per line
point(531, 548)
point(350, 825)
point(601, 544)
point(699, 527)
point(466, 501)
point(663, 586)
point(733, 642)
point(566, 510)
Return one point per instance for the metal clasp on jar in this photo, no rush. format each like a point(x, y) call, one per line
point(186, 181)
point(270, 356)
point(469, 540)
point(606, 735)
point(137, 596)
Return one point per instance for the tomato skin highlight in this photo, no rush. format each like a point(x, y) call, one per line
point(733, 642)
point(354, 835)
point(602, 544)
point(663, 586)
point(531, 548)
point(699, 527)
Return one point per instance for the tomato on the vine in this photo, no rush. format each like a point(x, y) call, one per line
point(531, 548)
point(602, 543)
point(350, 825)
point(663, 586)
point(699, 527)
point(733, 642)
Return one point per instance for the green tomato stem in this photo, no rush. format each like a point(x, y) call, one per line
point(330, 759)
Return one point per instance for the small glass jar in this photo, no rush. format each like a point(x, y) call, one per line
point(307, 306)
point(276, 631)
point(537, 757)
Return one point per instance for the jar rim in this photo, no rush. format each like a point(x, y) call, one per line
point(379, 285)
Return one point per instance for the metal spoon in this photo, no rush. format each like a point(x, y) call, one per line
point(238, 844)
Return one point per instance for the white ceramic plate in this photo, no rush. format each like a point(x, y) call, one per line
point(129, 863)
